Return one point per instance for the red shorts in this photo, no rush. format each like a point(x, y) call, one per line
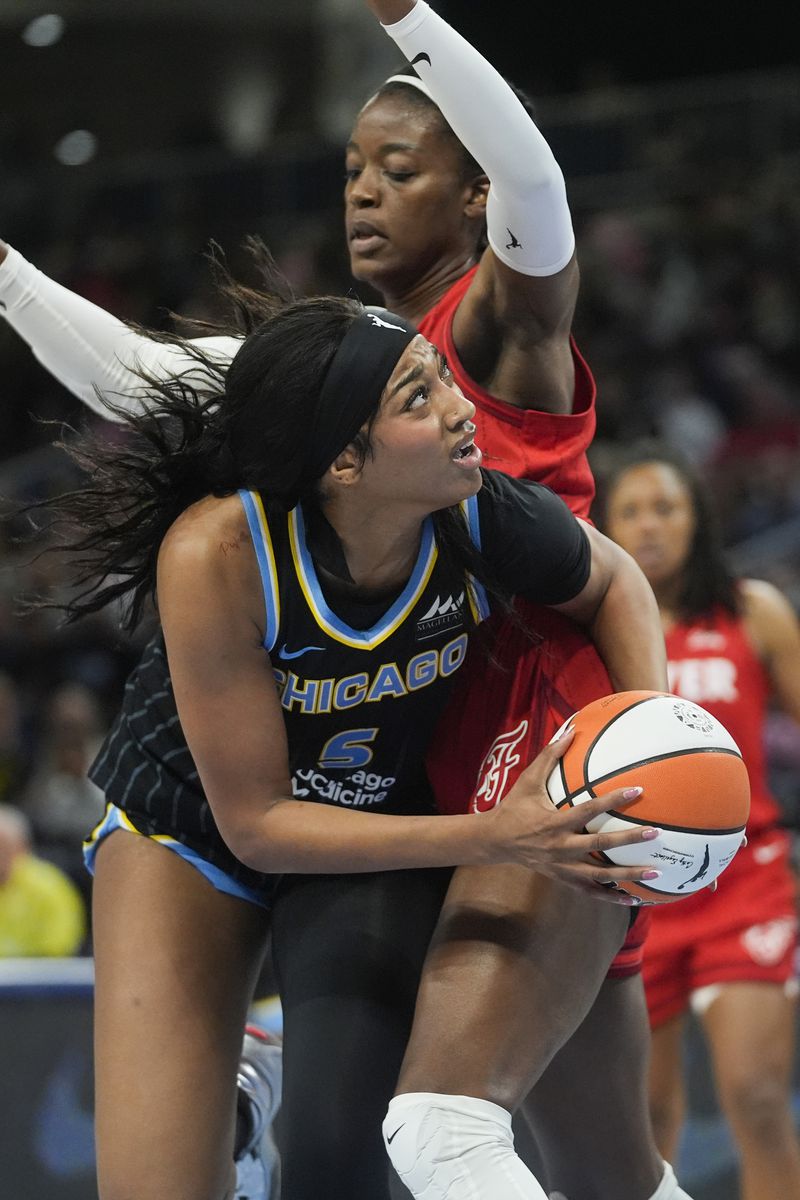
point(745, 931)
point(506, 708)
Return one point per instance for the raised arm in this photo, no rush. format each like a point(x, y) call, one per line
point(523, 296)
point(85, 347)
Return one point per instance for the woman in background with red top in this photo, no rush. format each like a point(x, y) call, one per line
point(728, 955)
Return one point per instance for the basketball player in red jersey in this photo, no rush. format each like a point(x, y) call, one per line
point(417, 205)
point(730, 955)
point(503, 319)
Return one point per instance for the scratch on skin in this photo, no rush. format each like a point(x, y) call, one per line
point(228, 547)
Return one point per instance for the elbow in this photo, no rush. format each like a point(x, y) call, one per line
point(254, 844)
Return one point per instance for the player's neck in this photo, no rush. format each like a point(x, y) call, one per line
point(414, 301)
point(380, 547)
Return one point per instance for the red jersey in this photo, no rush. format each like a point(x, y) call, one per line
point(713, 663)
point(548, 447)
point(507, 708)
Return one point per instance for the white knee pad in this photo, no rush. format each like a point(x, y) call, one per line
point(456, 1147)
point(668, 1188)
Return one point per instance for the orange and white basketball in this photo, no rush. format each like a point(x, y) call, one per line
point(696, 788)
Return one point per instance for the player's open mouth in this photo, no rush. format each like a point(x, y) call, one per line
point(468, 455)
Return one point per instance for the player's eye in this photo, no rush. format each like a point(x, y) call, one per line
point(417, 398)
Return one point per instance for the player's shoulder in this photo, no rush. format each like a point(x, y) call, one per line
point(768, 615)
point(205, 536)
point(500, 489)
point(762, 600)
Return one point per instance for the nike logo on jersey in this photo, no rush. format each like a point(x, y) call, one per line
point(285, 653)
point(421, 57)
point(389, 1140)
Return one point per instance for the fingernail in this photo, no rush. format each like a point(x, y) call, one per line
point(565, 732)
point(651, 874)
point(629, 901)
point(632, 793)
point(649, 834)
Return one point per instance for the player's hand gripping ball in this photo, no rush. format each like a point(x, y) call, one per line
point(696, 789)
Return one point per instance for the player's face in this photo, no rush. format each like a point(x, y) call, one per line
point(423, 452)
point(650, 514)
point(405, 196)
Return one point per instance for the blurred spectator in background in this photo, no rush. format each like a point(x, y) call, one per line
point(61, 801)
point(41, 911)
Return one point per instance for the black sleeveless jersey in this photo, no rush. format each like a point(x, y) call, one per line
point(360, 689)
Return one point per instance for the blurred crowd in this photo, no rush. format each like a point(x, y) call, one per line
point(689, 316)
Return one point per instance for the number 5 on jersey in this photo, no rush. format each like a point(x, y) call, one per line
point(350, 748)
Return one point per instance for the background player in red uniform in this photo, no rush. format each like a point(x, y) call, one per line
point(732, 645)
point(416, 204)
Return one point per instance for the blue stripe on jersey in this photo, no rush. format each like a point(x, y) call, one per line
point(477, 593)
point(262, 542)
point(364, 639)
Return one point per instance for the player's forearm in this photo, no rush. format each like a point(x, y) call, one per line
point(76, 341)
point(528, 218)
point(627, 632)
point(297, 836)
point(85, 347)
point(390, 11)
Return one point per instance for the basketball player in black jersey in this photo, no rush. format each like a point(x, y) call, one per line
point(314, 542)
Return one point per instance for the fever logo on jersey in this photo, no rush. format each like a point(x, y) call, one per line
point(768, 943)
point(495, 768)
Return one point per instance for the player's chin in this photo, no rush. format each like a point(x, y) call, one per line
point(468, 483)
point(367, 268)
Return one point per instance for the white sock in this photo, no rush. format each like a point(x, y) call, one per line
point(455, 1147)
point(667, 1190)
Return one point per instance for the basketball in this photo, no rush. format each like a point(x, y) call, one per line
point(696, 788)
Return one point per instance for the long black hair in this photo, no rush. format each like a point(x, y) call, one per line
point(211, 430)
point(707, 579)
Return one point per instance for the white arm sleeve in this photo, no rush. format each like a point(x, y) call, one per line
point(85, 347)
point(528, 217)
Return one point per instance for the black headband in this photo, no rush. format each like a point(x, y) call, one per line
point(359, 371)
